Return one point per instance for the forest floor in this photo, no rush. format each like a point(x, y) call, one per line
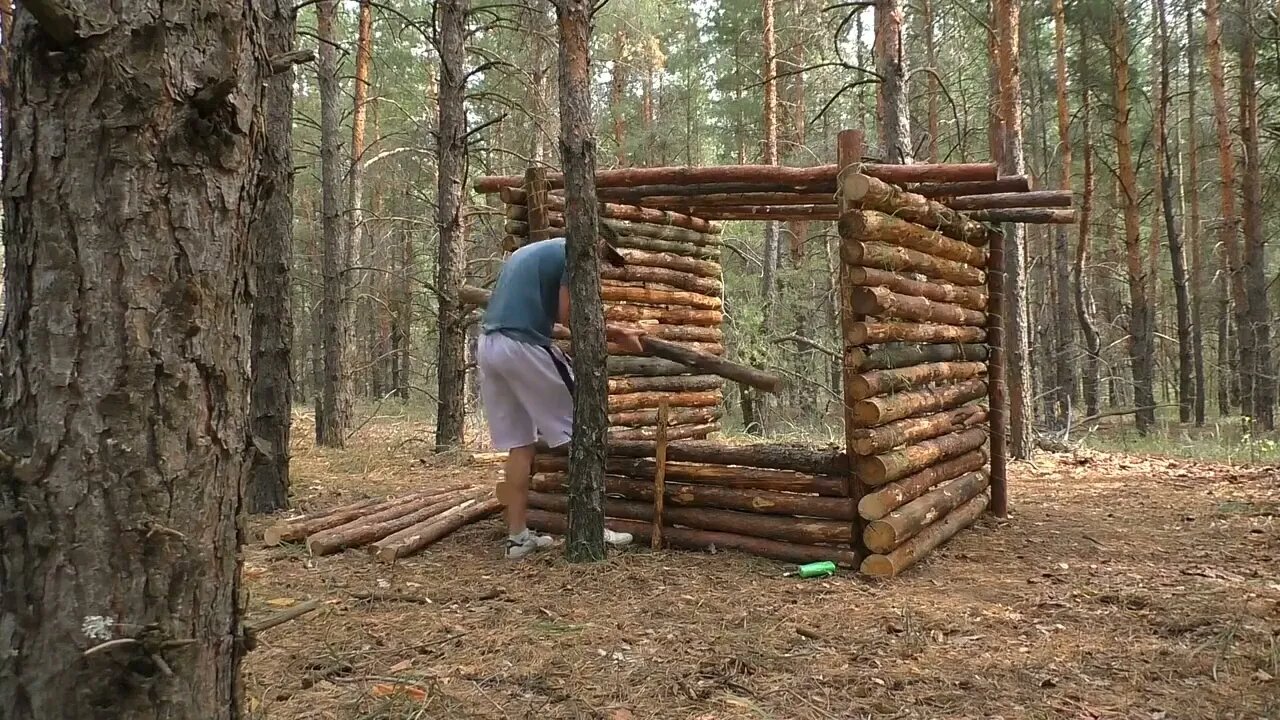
point(1122, 586)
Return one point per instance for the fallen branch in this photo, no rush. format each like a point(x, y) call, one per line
point(251, 630)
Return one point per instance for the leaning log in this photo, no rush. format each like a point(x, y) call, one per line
point(1000, 201)
point(709, 363)
point(875, 333)
point(415, 538)
point(744, 499)
point(872, 225)
point(665, 315)
point(874, 194)
point(814, 460)
point(897, 355)
point(675, 432)
point(1026, 215)
point(918, 547)
point(883, 302)
point(899, 259)
point(664, 276)
point(677, 416)
point(887, 408)
point(807, 531)
point(885, 500)
point(689, 539)
point(872, 441)
point(883, 382)
point(700, 474)
point(897, 527)
point(631, 365)
point(649, 296)
point(895, 465)
point(1007, 184)
point(969, 297)
point(679, 383)
point(671, 261)
point(379, 525)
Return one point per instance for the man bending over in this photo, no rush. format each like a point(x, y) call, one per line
point(526, 382)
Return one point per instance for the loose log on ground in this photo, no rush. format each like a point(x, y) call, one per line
point(675, 432)
point(700, 474)
point(648, 296)
point(895, 465)
point(887, 408)
point(882, 302)
point(630, 365)
point(1026, 215)
point(999, 201)
point(873, 194)
point(1007, 184)
point(745, 499)
point(885, 500)
point(872, 441)
point(276, 533)
point(899, 259)
point(875, 333)
point(665, 276)
point(642, 400)
point(417, 537)
point(883, 382)
point(374, 527)
point(897, 355)
point(872, 225)
point(687, 355)
point(672, 261)
point(677, 416)
point(897, 527)
point(918, 547)
point(681, 383)
point(295, 530)
point(969, 297)
point(828, 460)
point(690, 539)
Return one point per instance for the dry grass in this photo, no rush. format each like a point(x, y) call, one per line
point(1123, 587)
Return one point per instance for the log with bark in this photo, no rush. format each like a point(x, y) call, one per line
point(899, 355)
point(631, 365)
point(611, 292)
point(813, 460)
point(664, 315)
point(699, 348)
point(887, 533)
point(918, 547)
point(969, 297)
point(639, 193)
point(883, 382)
point(642, 400)
point(887, 408)
point(711, 200)
point(999, 201)
point(678, 416)
point(671, 261)
point(1007, 184)
point(690, 539)
point(662, 239)
point(679, 383)
point(899, 259)
point(704, 362)
point(365, 530)
point(413, 539)
point(664, 276)
point(897, 464)
point(674, 333)
point(886, 499)
point(702, 474)
point(296, 529)
point(871, 441)
point(877, 226)
point(873, 194)
point(745, 499)
point(768, 212)
point(1026, 215)
point(883, 302)
point(689, 242)
point(675, 432)
point(875, 333)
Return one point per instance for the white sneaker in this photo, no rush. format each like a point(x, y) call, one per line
point(531, 542)
point(616, 539)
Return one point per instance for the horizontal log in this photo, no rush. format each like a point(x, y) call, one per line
point(993, 201)
point(897, 527)
point(664, 315)
point(364, 530)
point(897, 464)
point(767, 212)
point(638, 193)
point(919, 547)
point(897, 355)
point(872, 225)
point(875, 333)
point(883, 302)
point(884, 500)
point(417, 537)
point(814, 460)
point(630, 213)
point(674, 333)
point(631, 365)
point(677, 416)
point(899, 259)
point(870, 193)
point(1007, 184)
point(688, 242)
point(872, 441)
point(887, 408)
point(671, 261)
point(655, 241)
point(641, 400)
point(675, 202)
point(883, 382)
point(690, 355)
point(691, 539)
point(678, 383)
point(1026, 215)
point(658, 298)
point(698, 348)
point(973, 298)
point(665, 276)
point(702, 474)
point(675, 432)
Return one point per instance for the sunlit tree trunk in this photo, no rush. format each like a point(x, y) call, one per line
point(893, 101)
point(1256, 331)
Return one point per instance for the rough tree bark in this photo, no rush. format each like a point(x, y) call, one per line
point(270, 401)
point(617, 92)
point(359, 281)
point(451, 154)
point(1084, 303)
point(753, 403)
point(585, 537)
point(932, 91)
point(1193, 234)
point(133, 169)
point(334, 418)
point(1065, 352)
point(893, 99)
point(1257, 328)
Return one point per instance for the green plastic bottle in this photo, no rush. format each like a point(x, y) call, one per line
point(818, 569)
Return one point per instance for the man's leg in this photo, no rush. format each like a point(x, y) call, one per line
point(515, 489)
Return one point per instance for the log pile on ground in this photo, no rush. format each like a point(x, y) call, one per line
point(390, 529)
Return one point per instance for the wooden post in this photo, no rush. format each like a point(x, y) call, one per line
point(537, 187)
point(996, 414)
point(849, 146)
point(659, 477)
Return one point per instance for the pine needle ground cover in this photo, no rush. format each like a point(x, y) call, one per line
point(1124, 586)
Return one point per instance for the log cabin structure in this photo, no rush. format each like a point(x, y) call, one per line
point(921, 305)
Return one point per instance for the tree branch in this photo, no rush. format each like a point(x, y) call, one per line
point(284, 61)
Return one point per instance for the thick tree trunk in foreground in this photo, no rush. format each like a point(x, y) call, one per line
point(585, 541)
point(134, 167)
point(270, 401)
point(451, 151)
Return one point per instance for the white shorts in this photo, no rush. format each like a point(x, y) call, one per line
point(527, 392)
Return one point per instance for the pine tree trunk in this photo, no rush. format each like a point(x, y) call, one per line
point(334, 419)
point(585, 537)
point(451, 154)
point(1257, 329)
point(617, 93)
point(133, 156)
point(931, 88)
point(271, 398)
point(358, 281)
point(534, 16)
point(1065, 354)
point(893, 101)
point(1193, 234)
point(1142, 362)
point(753, 403)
